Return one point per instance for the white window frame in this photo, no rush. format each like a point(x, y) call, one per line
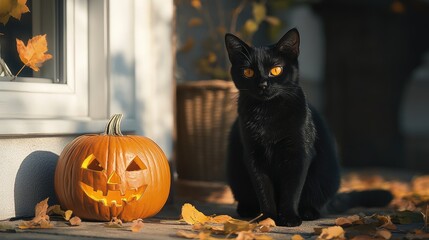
point(119, 59)
point(47, 108)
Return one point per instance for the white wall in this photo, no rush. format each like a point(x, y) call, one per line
point(27, 170)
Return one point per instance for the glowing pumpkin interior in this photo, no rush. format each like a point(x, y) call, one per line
point(119, 189)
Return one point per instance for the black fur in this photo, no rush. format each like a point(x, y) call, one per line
point(281, 159)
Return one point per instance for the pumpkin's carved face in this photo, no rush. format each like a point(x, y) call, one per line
point(121, 187)
point(112, 175)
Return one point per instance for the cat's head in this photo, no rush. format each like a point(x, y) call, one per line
point(264, 72)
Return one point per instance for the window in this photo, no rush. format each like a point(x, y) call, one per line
point(116, 57)
point(44, 17)
point(59, 92)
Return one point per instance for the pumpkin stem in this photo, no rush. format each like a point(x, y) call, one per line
point(113, 127)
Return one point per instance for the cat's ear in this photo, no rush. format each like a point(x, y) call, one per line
point(235, 46)
point(289, 43)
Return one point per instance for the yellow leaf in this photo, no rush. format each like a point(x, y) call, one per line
point(68, 214)
point(19, 9)
point(12, 8)
point(196, 4)
point(34, 54)
point(245, 235)
point(191, 215)
point(250, 26)
point(137, 225)
point(259, 12)
point(297, 237)
point(332, 233)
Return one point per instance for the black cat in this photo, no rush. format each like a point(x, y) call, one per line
point(281, 158)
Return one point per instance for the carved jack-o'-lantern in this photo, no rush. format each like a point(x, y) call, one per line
point(112, 175)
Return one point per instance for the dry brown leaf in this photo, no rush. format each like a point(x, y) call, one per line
point(114, 223)
point(346, 221)
point(34, 54)
point(75, 221)
point(41, 219)
point(297, 237)
point(137, 225)
point(235, 226)
point(335, 232)
point(191, 215)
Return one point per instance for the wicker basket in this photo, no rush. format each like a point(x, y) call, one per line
point(205, 113)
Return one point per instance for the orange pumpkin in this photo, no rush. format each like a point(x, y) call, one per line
point(111, 175)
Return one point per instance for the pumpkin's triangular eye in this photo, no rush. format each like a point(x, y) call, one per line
point(92, 163)
point(136, 165)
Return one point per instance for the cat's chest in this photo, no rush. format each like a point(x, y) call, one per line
point(267, 124)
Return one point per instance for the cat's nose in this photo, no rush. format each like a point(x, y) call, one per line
point(263, 85)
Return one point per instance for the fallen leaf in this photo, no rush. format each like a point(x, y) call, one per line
point(34, 54)
point(385, 234)
point(245, 235)
point(235, 226)
point(114, 223)
point(75, 221)
point(40, 220)
point(137, 225)
point(297, 237)
point(335, 232)
point(347, 221)
point(266, 225)
point(220, 219)
point(68, 214)
point(191, 215)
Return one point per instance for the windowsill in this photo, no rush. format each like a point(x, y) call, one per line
point(30, 127)
point(25, 79)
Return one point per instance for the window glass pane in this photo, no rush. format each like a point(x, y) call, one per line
point(45, 17)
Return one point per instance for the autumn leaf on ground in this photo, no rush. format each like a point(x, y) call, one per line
point(75, 221)
point(56, 209)
point(235, 225)
point(347, 221)
point(187, 234)
point(12, 8)
point(266, 225)
point(191, 215)
point(114, 223)
point(335, 232)
point(249, 235)
point(41, 219)
point(297, 237)
point(137, 225)
point(34, 54)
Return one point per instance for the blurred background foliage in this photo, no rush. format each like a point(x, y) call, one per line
point(202, 25)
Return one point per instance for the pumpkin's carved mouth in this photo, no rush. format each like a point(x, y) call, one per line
point(113, 197)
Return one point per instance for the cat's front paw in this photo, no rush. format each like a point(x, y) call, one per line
point(309, 214)
point(288, 220)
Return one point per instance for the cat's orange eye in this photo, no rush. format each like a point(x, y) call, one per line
point(275, 71)
point(248, 72)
